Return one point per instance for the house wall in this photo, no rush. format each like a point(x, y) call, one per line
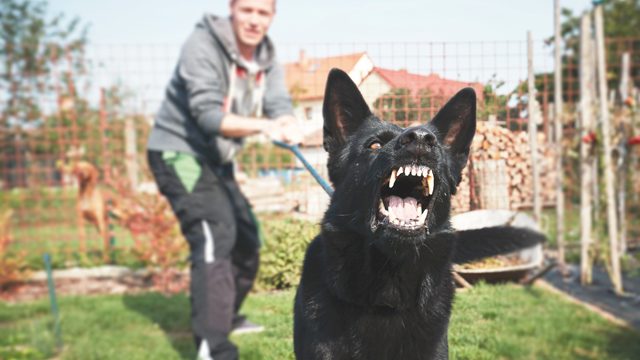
point(373, 87)
point(308, 126)
point(361, 69)
point(317, 157)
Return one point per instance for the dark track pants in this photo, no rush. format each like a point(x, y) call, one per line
point(216, 220)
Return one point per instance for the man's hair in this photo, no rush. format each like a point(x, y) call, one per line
point(274, 3)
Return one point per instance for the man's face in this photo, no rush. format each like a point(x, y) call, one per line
point(251, 19)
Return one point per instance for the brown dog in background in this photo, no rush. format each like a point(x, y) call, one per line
point(90, 204)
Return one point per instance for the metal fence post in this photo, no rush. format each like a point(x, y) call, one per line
point(54, 302)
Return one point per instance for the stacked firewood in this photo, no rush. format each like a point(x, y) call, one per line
point(506, 152)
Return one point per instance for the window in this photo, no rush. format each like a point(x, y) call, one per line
point(314, 67)
point(308, 112)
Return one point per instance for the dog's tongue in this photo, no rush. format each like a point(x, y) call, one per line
point(403, 209)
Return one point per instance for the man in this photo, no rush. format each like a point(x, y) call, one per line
point(226, 79)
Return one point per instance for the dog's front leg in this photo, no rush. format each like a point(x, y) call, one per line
point(80, 222)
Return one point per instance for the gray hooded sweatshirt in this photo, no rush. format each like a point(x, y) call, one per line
point(198, 95)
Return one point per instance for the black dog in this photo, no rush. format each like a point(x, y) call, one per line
point(377, 281)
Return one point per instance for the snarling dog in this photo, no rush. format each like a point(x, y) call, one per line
point(377, 281)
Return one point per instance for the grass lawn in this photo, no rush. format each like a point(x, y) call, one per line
point(489, 322)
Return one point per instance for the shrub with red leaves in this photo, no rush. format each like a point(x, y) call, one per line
point(13, 268)
point(158, 240)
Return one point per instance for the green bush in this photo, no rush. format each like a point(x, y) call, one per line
point(283, 253)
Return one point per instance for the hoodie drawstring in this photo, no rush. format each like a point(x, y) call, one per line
point(256, 84)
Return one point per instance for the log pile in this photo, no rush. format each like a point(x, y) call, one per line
point(494, 146)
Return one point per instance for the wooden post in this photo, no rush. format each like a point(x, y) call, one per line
point(106, 166)
point(557, 92)
point(533, 133)
point(587, 80)
point(612, 221)
point(131, 152)
point(596, 214)
point(622, 150)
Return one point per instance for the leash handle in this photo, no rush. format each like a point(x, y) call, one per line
point(296, 150)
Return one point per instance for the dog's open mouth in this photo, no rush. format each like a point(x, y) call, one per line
point(405, 198)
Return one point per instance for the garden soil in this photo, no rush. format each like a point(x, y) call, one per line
point(600, 293)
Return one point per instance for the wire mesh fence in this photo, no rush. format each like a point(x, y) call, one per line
point(75, 121)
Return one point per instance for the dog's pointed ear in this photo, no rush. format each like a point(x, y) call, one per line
point(455, 124)
point(344, 110)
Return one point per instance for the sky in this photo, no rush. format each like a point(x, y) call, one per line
point(135, 43)
point(171, 21)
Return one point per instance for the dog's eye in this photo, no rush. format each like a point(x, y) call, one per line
point(376, 145)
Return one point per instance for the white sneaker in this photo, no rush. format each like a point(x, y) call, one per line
point(247, 327)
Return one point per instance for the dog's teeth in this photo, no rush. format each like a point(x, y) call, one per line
point(382, 209)
point(392, 179)
point(419, 172)
point(430, 182)
point(419, 208)
point(407, 171)
point(396, 222)
point(423, 216)
point(392, 216)
point(426, 172)
point(414, 171)
point(402, 222)
point(400, 171)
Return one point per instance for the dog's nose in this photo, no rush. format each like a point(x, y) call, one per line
point(418, 140)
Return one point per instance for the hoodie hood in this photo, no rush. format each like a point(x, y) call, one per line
point(221, 29)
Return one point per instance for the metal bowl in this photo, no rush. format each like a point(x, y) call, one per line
point(486, 218)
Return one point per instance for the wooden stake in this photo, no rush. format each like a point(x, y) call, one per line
point(558, 141)
point(587, 80)
point(131, 153)
point(464, 283)
point(528, 281)
point(622, 151)
point(612, 223)
point(533, 134)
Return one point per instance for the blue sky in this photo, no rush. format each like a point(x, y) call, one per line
point(138, 41)
point(170, 21)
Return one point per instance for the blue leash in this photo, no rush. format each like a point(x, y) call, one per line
point(313, 171)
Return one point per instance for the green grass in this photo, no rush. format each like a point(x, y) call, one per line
point(489, 322)
point(63, 243)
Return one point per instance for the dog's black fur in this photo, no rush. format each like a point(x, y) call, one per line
point(370, 290)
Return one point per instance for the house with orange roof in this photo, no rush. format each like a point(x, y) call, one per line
point(382, 81)
point(306, 80)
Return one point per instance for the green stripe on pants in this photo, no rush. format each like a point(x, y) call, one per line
point(186, 166)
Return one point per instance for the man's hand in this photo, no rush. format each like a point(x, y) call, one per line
point(285, 128)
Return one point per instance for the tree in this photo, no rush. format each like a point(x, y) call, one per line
point(40, 60)
point(31, 47)
point(621, 19)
